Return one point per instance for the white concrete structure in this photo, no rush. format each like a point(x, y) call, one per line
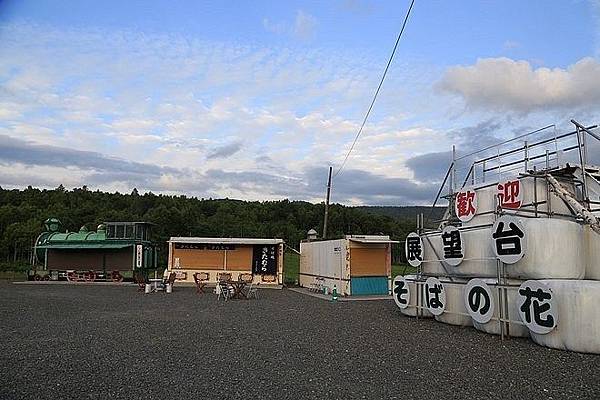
point(529, 227)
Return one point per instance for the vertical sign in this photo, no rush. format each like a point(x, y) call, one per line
point(510, 195)
point(465, 205)
point(510, 242)
point(264, 260)
point(453, 245)
point(401, 292)
point(435, 296)
point(536, 307)
point(413, 248)
point(139, 255)
point(479, 301)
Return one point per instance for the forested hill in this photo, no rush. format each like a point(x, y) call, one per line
point(406, 213)
point(22, 213)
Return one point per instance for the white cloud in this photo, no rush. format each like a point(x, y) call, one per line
point(511, 45)
point(595, 5)
point(305, 25)
point(505, 84)
point(278, 28)
point(173, 102)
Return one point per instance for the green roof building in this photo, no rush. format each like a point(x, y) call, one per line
point(113, 248)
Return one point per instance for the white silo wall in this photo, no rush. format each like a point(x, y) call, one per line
point(578, 316)
point(546, 237)
point(592, 270)
point(486, 200)
point(515, 326)
point(411, 310)
point(479, 260)
point(555, 250)
point(455, 312)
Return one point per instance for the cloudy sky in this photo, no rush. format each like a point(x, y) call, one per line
point(255, 99)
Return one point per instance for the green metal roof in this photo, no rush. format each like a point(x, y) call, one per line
point(80, 245)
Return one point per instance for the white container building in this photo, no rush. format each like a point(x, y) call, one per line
point(355, 265)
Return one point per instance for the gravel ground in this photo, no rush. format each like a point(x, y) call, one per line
point(64, 342)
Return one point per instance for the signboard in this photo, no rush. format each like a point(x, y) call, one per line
point(453, 246)
point(413, 248)
point(510, 195)
point(264, 259)
point(536, 307)
point(139, 255)
point(465, 205)
point(435, 296)
point(401, 292)
point(509, 240)
point(204, 246)
point(479, 301)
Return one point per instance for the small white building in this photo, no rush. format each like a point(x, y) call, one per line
point(355, 265)
point(262, 258)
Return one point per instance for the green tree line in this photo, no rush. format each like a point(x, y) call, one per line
point(22, 213)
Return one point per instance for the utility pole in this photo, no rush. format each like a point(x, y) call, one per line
point(327, 204)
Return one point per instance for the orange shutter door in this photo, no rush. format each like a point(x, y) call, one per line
point(199, 259)
point(368, 262)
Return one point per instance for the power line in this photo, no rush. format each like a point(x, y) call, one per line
point(378, 88)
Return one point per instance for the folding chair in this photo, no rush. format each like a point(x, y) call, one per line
point(140, 279)
point(171, 280)
point(224, 276)
point(201, 279)
point(253, 290)
point(224, 290)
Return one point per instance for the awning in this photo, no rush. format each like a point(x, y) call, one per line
point(203, 240)
point(81, 246)
point(370, 239)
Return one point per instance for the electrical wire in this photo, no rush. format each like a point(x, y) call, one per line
point(378, 89)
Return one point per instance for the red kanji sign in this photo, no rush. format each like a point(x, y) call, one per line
point(465, 205)
point(510, 195)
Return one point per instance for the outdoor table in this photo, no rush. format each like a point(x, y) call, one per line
point(238, 287)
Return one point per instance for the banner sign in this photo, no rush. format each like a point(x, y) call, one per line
point(264, 259)
point(204, 246)
point(139, 255)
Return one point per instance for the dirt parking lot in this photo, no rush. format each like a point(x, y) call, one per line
point(78, 341)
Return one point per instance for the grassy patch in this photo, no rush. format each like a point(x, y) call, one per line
point(402, 269)
point(13, 275)
point(291, 268)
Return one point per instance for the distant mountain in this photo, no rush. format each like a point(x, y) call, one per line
point(405, 213)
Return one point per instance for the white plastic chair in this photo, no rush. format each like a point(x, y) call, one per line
point(224, 290)
point(253, 290)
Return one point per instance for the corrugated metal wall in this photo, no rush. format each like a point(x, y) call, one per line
point(325, 262)
point(369, 285)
